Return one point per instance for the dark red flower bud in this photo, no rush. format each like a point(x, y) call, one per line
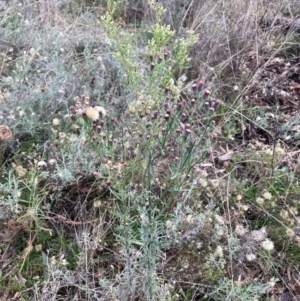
point(154, 115)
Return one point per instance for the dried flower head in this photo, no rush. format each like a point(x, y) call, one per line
point(240, 229)
point(260, 201)
point(20, 170)
point(267, 195)
point(132, 110)
point(101, 110)
point(92, 113)
point(259, 235)
point(55, 121)
point(267, 244)
point(250, 257)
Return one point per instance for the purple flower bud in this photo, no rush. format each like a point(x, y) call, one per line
point(113, 119)
point(194, 87)
point(187, 131)
point(187, 126)
point(167, 90)
point(193, 101)
point(178, 130)
point(166, 105)
point(99, 128)
point(200, 85)
point(72, 116)
point(207, 93)
point(167, 116)
point(211, 110)
point(163, 130)
point(151, 57)
point(168, 112)
point(207, 104)
point(72, 108)
point(213, 122)
point(152, 66)
point(183, 116)
point(184, 102)
point(217, 103)
point(167, 54)
point(159, 59)
point(179, 106)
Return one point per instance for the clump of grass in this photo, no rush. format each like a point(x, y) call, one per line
point(126, 180)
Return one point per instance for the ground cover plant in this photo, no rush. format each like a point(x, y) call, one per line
point(149, 150)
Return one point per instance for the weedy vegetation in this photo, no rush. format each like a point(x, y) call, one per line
point(149, 150)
